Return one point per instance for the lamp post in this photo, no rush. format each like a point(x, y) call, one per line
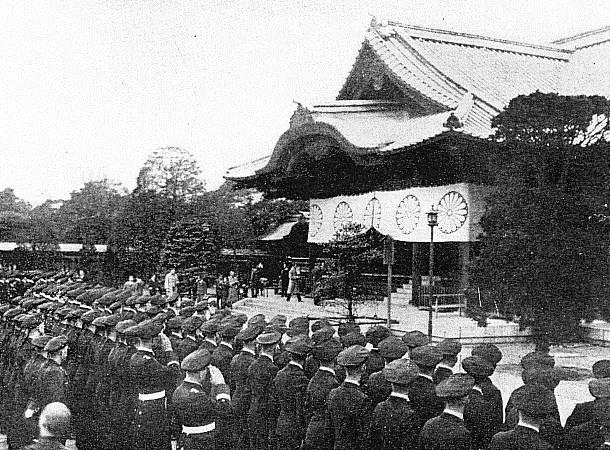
point(432, 222)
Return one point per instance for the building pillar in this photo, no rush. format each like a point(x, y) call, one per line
point(464, 263)
point(416, 269)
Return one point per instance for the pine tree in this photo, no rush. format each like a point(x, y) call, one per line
point(191, 244)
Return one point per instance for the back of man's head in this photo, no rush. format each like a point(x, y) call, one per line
point(54, 420)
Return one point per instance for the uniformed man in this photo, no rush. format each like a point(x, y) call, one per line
point(149, 377)
point(196, 410)
point(263, 411)
point(239, 374)
point(481, 415)
point(448, 431)
point(422, 392)
point(450, 348)
point(224, 352)
point(209, 330)
point(377, 387)
point(53, 381)
point(290, 385)
point(319, 336)
point(414, 339)
point(535, 404)
point(349, 408)
point(395, 424)
point(54, 428)
point(374, 335)
point(584, 412)
point(592, 434)
point(319, 433)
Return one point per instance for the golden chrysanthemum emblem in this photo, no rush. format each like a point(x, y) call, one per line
point(452, 212)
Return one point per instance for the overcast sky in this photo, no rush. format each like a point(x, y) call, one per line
point(90, 88)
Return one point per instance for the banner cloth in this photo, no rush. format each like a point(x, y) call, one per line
point(402, 214)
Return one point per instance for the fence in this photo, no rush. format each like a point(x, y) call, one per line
point(444, 298)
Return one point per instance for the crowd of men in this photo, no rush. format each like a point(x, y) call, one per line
point(138, 371)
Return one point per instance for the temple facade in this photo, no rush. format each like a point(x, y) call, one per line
point(410, 130)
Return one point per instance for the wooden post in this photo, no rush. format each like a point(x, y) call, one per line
point(416, 263)
point(388, 258)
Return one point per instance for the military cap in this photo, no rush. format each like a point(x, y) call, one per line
point(145, 330)
point(319, 324)
point(327, 350)
point(347, 327)
point(299, 322)
point(374, 335)
point(545, 376)
point(106, 299)
point(142, 299)
point(415, 339)
point(4, 308)
point(392, 347)
point(175, 323)
point(490, 352)
point(28, 303)
point(152, 310)
point(158, 300)
point(229, 331)
point(601, 368)
point(196, 361)
point(535, 400)
point(124, 325)
point(257, 318)
point(48, 306)
point(131, 301)
point(13, 312)
point(353, 338)
point(56, 343)
point(268, 337)
point(455, 386)
point(323, 334)
point(187, 311)
point(478, 366)
point(299, 345)
point(450, 347)
point(278, 319)
point(249, 333)
point(537, 359)
point(191, 324)
point(210, 327)
point(353, 356)
point(41, 341)
point(400, 371)
point(100, 321)
point(187, 302)
point(600, 387)
point(201, 306)
point(240, 319)
point(426, 356)
point(115, 305)
point(90, 316)
point(30, 321)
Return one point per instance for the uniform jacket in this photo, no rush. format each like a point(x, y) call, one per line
point(47, 444)
point(378, 388)
point(445, 432)
point(221, 358)
point(520, 438)
point(239, 374)
point(319, 433)
point(350, 412)
point(290, 385)
point(395, 425)
point(263, 408)
point(441, 373)
point(422, 393)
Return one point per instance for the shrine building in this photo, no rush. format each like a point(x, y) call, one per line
point(406, 132)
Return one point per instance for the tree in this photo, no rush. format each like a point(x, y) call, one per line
point(172, 172)
point(544, 251)
point(45, 223)
point(355, 251)
point(191, 244)
point(90, 214)
point(14, 217)
point(141, 228)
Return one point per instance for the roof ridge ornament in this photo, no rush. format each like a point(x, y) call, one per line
point(452, 122)
point(301, 116)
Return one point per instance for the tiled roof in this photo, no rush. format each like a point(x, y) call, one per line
point(444, 68)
